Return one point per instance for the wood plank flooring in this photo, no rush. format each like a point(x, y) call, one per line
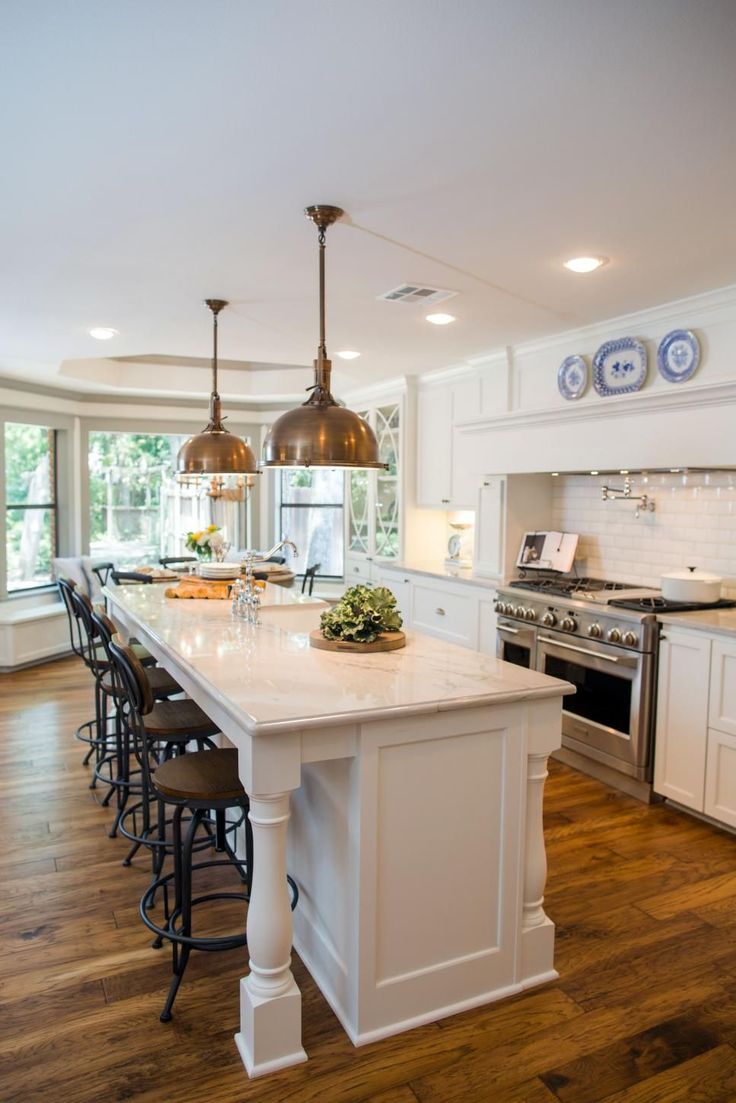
point(644, 1010)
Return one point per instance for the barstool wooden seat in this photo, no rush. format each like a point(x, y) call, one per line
point(199, 784)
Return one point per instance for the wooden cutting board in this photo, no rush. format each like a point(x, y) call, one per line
point(387, 641)
point(201, 588)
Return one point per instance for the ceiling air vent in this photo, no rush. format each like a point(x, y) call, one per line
point(415, 293)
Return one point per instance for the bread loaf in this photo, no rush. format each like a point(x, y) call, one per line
point(200, 588)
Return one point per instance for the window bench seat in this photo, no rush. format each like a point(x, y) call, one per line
point(31, 634)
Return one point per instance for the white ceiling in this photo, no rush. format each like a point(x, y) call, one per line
point(157, 152)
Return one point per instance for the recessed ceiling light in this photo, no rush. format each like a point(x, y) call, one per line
point(348, 354)
point(595, 472)
point(103, 333)
point(585, 264)
point(555, 474)
point(440, 319)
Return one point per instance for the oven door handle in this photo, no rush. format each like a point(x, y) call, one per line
point(624, 660)
point(503, 628)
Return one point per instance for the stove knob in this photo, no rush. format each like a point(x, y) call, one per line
point(569, 624)
point(630, 639)
point(530, 614)
point(507, 609)
point(595, 631)
point(549, 620)
point(614, 635)
point(519, 612)
point(499, 606)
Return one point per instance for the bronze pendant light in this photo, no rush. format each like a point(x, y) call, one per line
point(321, 433)
point(215, 451)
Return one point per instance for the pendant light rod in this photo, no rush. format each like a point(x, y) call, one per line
point(215, 452)
point(321, 432)
point(215, 305)
point(322, 216)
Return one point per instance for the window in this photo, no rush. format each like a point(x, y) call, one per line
point(311, 514)
point(30, 505)
point(138, 510)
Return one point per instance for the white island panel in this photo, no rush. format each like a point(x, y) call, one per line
point(414, 782)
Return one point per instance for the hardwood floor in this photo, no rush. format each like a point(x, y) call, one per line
point(644, 1010)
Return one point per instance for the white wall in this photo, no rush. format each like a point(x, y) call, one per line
point(694, 524)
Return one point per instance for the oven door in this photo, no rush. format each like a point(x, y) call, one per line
point(610, 716)
point(516, 643)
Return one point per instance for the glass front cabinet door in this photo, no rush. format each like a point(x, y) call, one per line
point(373, 514)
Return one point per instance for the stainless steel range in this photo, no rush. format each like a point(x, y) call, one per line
point(567, 628)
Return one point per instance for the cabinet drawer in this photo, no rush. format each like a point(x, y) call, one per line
point(358, 570)
point(440, 612)
point(720, 777)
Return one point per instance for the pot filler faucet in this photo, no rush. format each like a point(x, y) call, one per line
point(623, 494)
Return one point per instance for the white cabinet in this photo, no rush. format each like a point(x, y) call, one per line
point(458, 612)
point(440, 481)
point(487, 619)
point(400, 587)
point(373, 515)
point(507, 507)
point(442, 610)
point(695, 749)
point(722, 712)
point(720, 777)
point(682, 717)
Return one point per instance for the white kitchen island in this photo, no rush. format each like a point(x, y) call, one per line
point(405, 788)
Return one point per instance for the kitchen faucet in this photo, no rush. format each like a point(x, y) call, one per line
point(246, 595)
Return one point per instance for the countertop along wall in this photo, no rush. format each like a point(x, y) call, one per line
point(694, 524)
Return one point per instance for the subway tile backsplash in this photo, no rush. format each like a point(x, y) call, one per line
point(694, 524)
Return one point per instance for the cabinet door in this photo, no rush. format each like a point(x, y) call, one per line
point(720, 778)
point(400, 587)
point(434, 426)
point(487, 626)
point(723, 686)
point(682, 718)
point(387, 501)
point(490, 527)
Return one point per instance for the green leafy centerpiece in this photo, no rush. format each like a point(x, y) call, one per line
point(365, 618)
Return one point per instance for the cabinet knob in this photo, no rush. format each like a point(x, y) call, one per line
point(440, 612)
point(445, 501)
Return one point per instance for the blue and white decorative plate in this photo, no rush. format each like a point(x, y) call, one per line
point(678, 355)
point(619, 367)
point(572, 377)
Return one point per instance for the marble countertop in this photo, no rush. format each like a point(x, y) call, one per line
point(436, 568)
point(269, 679)
point(719, 622)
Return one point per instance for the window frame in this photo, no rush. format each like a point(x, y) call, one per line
point(65, 486)
point(281, 505)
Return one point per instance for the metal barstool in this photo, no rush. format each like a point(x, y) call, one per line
point(114, 767)
point(153, 731)
point(199, 784)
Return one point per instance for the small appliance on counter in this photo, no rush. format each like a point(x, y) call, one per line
point(460, 544)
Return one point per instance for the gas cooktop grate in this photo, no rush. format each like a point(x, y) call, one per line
point(566, 587)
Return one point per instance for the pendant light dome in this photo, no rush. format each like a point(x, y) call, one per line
point(321, 433)
point(215, 451)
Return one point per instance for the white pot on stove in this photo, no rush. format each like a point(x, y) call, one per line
point(690, 584)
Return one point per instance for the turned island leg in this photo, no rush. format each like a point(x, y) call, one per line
point(270, 1035)
point(537, 930)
